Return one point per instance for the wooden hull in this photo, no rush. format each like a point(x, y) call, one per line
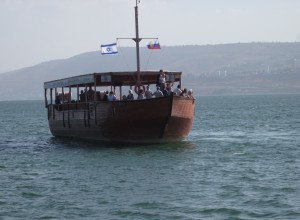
point(155, 120)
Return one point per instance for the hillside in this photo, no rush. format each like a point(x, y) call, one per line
point(242, 68)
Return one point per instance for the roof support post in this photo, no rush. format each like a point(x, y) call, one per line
point(46, 101)
point(85, 93)
point(63, 95)
point(51, 96)
point(77, 93)
point(95, 89)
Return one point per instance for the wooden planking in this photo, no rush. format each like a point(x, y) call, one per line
point(156, 120)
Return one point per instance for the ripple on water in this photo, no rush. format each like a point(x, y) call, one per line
point(241, 161)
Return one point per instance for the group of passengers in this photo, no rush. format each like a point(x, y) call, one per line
point(87, 95)
point(162, 89)
point(166, 88)
point(109, 96)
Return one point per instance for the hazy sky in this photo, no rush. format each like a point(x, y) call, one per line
point(33, 31)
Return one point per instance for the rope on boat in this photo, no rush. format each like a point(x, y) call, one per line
point(124, 60)
point(150, 54)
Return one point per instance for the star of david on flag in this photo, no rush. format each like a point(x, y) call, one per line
point(109, 49)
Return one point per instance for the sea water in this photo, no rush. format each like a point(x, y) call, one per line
point(240, 161)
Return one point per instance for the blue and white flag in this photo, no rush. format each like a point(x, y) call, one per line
point(109, 49)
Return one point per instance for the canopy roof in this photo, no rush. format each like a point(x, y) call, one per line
point(112, 79)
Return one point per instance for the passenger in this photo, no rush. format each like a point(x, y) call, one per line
point(140, 94)
point(57, 99)
point(57, 102)
point(90, 94)
point(177, 91)
point(111, 97)
point(105, 98)
point(184, 93)
point(190, 94)
point(162, 79)
point(82, 96)
point(148, 93)
point(165, 91)
point(124, 98)
point(130, 95)
point(169, 87)
point(158, 93)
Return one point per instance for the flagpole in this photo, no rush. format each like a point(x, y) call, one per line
point(137, 42)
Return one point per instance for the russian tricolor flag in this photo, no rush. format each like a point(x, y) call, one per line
point(152, 45)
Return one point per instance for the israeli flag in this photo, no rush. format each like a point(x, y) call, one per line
point(109, 49)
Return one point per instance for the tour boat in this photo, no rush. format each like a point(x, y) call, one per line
point(89, 115)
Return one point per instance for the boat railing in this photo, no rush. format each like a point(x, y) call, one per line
point(71, 106)
point(89, 105)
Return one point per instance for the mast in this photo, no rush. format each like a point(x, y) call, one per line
point(137, 42)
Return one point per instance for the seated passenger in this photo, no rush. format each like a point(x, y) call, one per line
point(111, 97)
point(184, 93)
point(124, 98)
point(169, 87)
point(164, 91)
point(148, 93)
point(190, 94)
point(158, 93)
point(130, 95)
point(177, 91)
point(140, 94)
point(105, 98)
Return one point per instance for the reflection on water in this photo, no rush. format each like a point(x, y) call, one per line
point(91, 144)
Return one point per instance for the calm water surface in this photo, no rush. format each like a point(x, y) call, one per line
point(240, 161)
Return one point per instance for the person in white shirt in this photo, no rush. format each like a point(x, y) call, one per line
point(148, 93)
point(158, 93)
point(190, 94)
point(130, 95)
point(177, 91)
